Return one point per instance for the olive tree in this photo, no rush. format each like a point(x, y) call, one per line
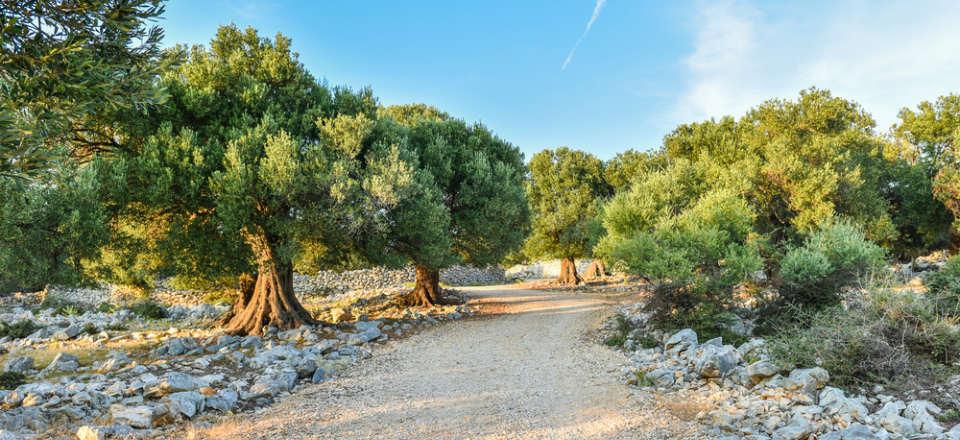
point(472, 207)
point(565, 190)
point(239, 177)
point(931, 134)
point(69, 73)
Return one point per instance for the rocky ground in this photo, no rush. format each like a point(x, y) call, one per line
point(529, 366)
point(112, 371)
point(749, 397)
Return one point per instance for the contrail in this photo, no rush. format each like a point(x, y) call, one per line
point(596, 14)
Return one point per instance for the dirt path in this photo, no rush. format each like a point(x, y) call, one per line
point(525, 371)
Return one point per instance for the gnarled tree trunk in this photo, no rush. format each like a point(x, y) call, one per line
point(246, 285)
point(272, 301)
point(426, 291)
point(568, 272)
point(595, 270)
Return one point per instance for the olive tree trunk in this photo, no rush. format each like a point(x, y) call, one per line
point(568, 272)
point(246, 283)
point(272, 301)
point(426, 290)
point(597, 269)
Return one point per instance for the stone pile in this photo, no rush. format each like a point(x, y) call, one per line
point(383, 278)
point(756, 400)
point(90, 325)
point(916, 271)
point(134, 394)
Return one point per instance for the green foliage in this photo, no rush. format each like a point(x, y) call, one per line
point(234, 166)
point(106, 308)
point(923, 222)
point(69, 72)
point(18, 330)
point(834, 257)
point(565, 190)
point(620, 331)
point(48, 230)
point(90, 328)
point(694, 249)
point(883, 336)
point(642, 380)
point(616, 340)
point(148, 309)
point(11, 380)
point(61, 307)
point(462, 198)
point(943, 287)
point(931, 134)
point(620, 171)
point(799, 163)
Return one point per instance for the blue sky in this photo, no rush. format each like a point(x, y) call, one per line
point(640, 69)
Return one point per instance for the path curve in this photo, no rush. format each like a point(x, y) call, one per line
point(525, 369)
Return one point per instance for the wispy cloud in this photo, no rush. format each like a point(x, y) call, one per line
point(884, 58)
point(593, 18)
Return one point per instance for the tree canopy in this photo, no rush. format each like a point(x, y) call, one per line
point(471, 208)
point(565, 189)
point(71, 74)
point(244, 170)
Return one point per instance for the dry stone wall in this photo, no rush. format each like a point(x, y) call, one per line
point(383, 278)
point(542, 269)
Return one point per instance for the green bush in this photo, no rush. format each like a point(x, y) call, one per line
point(882, 336)
point(694, 255)
point(943, 287)
point(829, 260)
point(91, 328)
point(62, 307)
point(148, 309)
point(11, 380)
point(620, 332)
point(106, 308)
point(18, 330)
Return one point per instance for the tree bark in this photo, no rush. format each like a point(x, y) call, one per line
point(272, 301)
point(568, 272)
point(426, 290)
point(597, 269)
point(246, 285)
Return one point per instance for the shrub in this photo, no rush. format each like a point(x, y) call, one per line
point(829, 260)
point(106, 308)
point(882, 336)
point(694, 257)
point(148, 309)
point(11, 380)
point(616, 340)
point(62, 307)
point(943, 287)
point(90, 328)
point(19, 330)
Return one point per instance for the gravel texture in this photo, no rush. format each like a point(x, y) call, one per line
point(528, 368)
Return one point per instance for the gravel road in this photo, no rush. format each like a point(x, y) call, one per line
point(527, 368)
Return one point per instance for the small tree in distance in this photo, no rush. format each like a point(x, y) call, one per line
point(565, 190)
